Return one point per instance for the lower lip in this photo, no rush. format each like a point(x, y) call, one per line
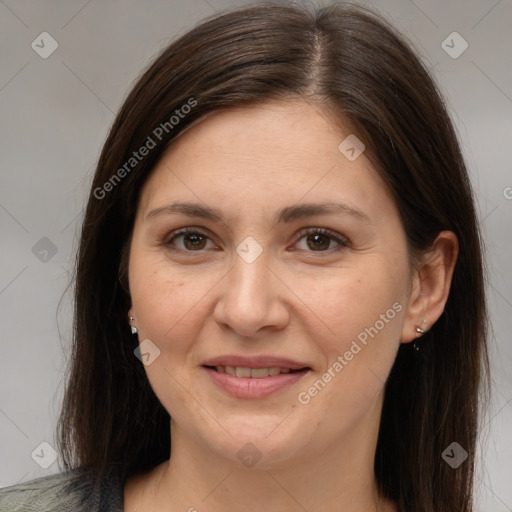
point(249, 387)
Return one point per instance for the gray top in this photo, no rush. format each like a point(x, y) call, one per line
point(72, 491)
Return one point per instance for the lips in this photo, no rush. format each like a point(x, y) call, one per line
point(254, 377)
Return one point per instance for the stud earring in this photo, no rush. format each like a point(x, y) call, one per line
point(132, 327)
point(420, 332)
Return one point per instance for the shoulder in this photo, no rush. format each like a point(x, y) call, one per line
point(77, 490)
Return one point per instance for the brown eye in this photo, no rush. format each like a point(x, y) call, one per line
point(318, 242)
point(321, 240)
point(194, 241)
point(191, 241)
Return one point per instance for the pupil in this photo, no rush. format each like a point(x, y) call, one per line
point(318, 237)
point(195, 240)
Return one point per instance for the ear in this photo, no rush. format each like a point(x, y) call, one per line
point(430, 286)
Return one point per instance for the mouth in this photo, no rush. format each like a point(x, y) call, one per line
point(254, 377)
point(244, 372)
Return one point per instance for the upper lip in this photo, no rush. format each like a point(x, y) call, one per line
point(255, 362)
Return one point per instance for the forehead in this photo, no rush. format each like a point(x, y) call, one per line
point(270, 153)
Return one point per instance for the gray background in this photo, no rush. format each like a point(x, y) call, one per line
point(55, 115)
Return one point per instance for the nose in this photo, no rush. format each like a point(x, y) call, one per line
point(252, 298)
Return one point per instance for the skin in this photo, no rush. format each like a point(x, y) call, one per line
point(294, 301)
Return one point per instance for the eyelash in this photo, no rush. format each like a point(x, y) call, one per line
point(343, 242)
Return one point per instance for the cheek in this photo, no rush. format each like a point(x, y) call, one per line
point(352, 304)
point(165, 298)
point(361, 316)
point(170, 313)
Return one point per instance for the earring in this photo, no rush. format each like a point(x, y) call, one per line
point(132, 327)
point(420, 332)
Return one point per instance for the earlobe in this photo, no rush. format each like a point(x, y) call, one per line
point(431, 286)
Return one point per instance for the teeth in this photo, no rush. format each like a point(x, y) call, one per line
point(243, 372)
point(255, 373)
point(259, 373)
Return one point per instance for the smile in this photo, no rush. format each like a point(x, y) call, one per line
point(253, 383)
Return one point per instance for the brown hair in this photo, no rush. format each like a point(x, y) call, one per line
point(349, 60)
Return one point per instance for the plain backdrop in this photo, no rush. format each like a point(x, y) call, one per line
point(55, 114)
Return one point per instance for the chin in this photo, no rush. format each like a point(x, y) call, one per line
point(260, 443)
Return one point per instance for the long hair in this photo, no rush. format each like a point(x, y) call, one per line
point(348, 59)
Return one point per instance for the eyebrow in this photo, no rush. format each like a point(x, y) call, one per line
point(286, 215)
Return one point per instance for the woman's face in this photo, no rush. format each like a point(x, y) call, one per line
point(270, 278)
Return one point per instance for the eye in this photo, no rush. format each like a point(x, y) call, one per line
point(192, 239)
point(316, 240)
point(320, 240)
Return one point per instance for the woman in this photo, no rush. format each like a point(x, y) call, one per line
point(280, 278)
